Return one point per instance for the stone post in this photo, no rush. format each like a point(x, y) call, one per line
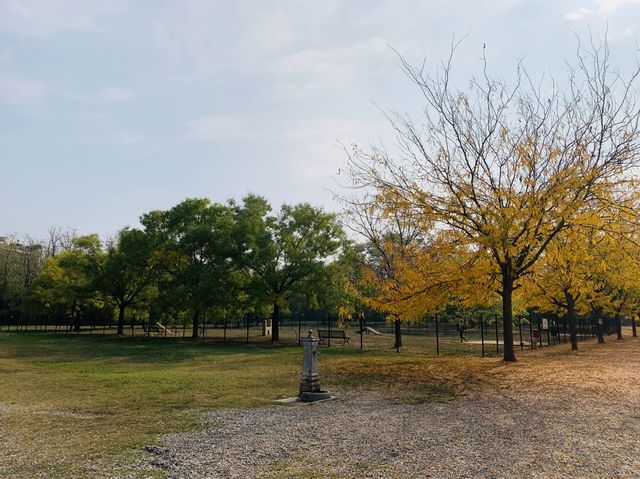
point(309, 379)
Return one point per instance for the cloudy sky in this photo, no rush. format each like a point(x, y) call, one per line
point(110, 108)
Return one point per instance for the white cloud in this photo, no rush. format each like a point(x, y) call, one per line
point(610, 6)
point(220, 37)
point(319, 143)
point(296, 48)
point(17, 90)
point(312, 68)
point(289, 71)
point(241, 36)
point(578, 14)
point(45, 17)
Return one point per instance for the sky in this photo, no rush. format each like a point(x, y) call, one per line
point(112, 108)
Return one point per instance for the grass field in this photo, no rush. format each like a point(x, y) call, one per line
point(80, 406)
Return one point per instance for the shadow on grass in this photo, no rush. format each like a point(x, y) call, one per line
point(156, 350)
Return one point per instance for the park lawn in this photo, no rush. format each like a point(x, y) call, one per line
point(85, 406)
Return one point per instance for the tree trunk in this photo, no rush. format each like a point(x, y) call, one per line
point(507, 317)
point(599, 331)
point(618, 325)
point(633, 326)
point(75, 319)
point(195, 332)
point(398, 334)
point(275, 323)
point(571, 318)
point(121, 309)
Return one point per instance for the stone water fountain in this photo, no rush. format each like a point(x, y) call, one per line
point(309, 379)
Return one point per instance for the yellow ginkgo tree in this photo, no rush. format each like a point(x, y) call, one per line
point(500, 171)
point(562, 278)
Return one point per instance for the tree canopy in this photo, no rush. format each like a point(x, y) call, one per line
point(283, 252)
point(498, 172)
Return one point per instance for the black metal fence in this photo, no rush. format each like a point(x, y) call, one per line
point(482, 335)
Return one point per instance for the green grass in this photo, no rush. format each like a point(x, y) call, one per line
point(79, 406)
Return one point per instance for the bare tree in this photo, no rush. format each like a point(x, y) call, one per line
point(58, 240)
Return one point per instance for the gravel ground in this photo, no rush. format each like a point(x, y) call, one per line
point(553, 415)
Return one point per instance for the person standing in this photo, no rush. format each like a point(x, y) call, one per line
point(461, 329)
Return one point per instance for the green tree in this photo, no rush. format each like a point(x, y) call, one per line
point(67, 281)
point(337, 287)
point(126, 273)
point(195, 251)
point(282, 251)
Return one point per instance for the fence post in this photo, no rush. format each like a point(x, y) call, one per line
point(520, 328)
point(497, 335)
point(299, 328)
point(579, 332)
point(540, 331)
point(586, 330)
point(224, 337)
point(482, 333)
point(329, 330)
point(530, 333)
point(437, 334)
point(360, 317)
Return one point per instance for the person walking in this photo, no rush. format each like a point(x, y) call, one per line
point(461, 329)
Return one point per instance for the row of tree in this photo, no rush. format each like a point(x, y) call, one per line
point(527, 192)
point(229, 260)
point(195, 258)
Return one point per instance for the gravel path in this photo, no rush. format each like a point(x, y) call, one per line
point(554, 415)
